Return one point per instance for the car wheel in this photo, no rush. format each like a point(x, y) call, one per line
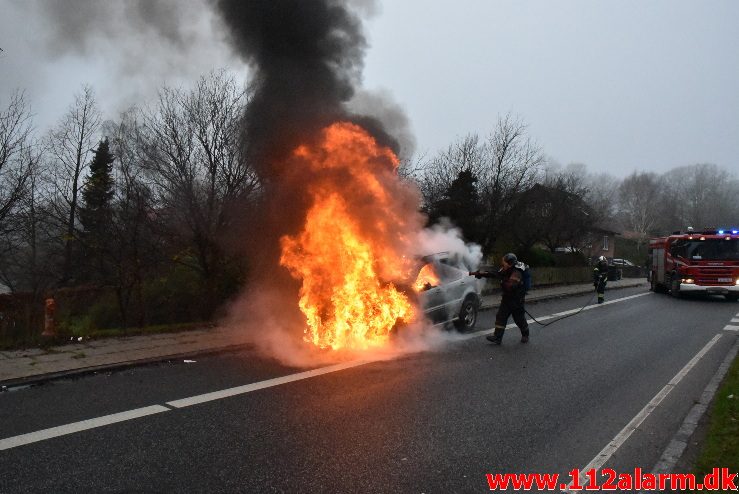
point(467, 315)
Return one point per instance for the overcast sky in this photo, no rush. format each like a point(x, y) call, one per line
point(617, 85)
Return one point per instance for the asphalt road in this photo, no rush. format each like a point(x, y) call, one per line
point(427, 422)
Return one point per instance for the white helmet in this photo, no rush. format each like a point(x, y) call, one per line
point(602, 259)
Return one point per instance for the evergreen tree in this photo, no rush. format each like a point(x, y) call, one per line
point(96, 213)
point(461, 204)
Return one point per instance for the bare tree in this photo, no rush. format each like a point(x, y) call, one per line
point(70, 145)
point(602, 196)
point(553, 211)
point(701, 195)
point(510, 166)
point(435, 176)
point(133, 210)
point(639, 196)
point(16, 160)
point(194, 155)
point(502, 166)
point(28, 263)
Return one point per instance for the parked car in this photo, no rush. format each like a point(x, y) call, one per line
point(447, 293)
point(621, 262)
point(616, 267)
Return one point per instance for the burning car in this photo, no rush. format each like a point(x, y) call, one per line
point(447, 293)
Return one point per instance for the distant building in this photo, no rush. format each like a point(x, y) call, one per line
point(601, 242)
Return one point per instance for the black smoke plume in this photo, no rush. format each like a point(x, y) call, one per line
point(307, 58)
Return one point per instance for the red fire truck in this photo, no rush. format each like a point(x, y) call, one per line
point(696, 262)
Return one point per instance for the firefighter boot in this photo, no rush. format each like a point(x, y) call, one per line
point(525, 335)
point(497, 337)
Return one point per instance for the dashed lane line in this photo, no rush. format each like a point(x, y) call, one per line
point(63, 430)
point(248, 388)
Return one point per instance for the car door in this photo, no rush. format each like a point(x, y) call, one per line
point(453, 288)
point(432, 295)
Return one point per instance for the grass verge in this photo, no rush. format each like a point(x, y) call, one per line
point(155, 329)
point(9, 344)
point(721, 446)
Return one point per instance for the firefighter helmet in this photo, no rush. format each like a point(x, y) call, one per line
point(602, 259)
point(510, 258)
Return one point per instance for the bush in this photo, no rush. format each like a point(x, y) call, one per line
point(105, 313)
point(84, 309)
point(537, 258)
point(21, 320)
point(75, 326)
point(174, 298)
point(570, 259)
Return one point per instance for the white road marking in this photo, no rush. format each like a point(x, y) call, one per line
point(729, 327)
point(63, 430)
point(736, 319)
point(248, 388)
point(608, 451)
point(15, 441)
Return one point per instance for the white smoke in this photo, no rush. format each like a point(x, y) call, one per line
point(445, 237)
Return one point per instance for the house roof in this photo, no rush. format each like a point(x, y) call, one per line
point(604, 229)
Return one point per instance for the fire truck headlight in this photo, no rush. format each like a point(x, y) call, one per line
point(737, 282)
point(688, 280)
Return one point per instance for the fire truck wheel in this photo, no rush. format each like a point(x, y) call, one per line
point(675, 287)
point(732, 297)
point(655, 287)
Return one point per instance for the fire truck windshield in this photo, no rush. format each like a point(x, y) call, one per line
point(709, 249)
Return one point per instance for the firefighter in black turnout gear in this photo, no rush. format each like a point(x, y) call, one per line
point(512, 301)
point(600, 278)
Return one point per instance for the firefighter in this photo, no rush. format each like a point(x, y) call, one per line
point(512, 302)
point(600, 278)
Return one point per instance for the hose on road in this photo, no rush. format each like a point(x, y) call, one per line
point(563, 317)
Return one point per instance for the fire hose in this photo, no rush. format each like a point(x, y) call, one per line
point(479, 274)
point(563, 317)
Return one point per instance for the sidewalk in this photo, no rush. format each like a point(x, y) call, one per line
point(35, 365)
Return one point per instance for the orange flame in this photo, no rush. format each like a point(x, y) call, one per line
point(349, 254)
point(426, 279)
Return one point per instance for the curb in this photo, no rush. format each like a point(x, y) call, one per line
point(118, 366)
